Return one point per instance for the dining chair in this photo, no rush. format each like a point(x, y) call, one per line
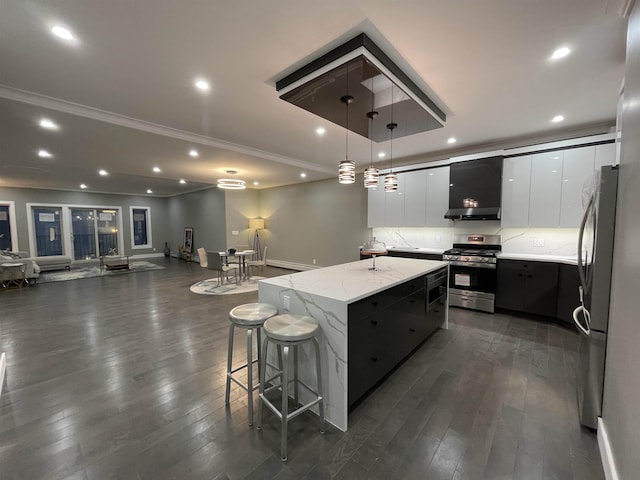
point(215, 262)
point(202, 255)
point(258, 263)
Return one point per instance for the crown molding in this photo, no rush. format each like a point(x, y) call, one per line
point(71, 108)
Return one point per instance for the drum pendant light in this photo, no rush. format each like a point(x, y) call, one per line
point(371, 174)
point(391, 179)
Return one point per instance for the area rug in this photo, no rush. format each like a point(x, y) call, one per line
point(211, 287)
point(94, 271)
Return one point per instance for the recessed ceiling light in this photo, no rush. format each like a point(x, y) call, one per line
point(48, 124)
point(103, 173)
point(157, 169)
point(149, 190)
point(183, 181)
point(320, 131)
point(201, 84)
point(303, 175)
point(431, 174)
point(381, 154)
point(193, 152)
point(44, 154)
point(62, 32)
point(256, 183)
point(83, 186)
point(511, 179)
point(557, 118)
point(451, 140)
point(560, 53)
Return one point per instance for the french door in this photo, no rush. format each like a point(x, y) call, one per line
point(94, 232)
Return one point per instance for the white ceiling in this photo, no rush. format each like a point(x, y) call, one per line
point(123, 94)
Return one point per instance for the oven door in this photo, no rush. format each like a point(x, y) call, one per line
point(472, 287)
point(474, 279)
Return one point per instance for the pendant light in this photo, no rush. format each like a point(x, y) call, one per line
point(347, 168)
point(371, 173)
point(231, 183)
point(391, 179)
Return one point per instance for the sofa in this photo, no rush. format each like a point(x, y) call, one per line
point(53, 262)
point(31, 267)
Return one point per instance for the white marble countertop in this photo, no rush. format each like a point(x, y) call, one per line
point(543, 257)
point(350, 282)
point(438, 251)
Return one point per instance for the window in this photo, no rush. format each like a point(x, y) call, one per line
point(8, 239)
point(140, 227)
point(47, 222)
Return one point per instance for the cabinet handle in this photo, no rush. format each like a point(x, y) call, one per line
point(374, 359)
point(412, 330)
point(374, 322)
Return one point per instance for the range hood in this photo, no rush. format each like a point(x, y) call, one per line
point(479, 213)
point(475, 190)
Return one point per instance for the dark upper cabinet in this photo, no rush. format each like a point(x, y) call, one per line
point(529, 287)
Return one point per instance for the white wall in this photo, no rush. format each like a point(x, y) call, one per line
point(621, 408)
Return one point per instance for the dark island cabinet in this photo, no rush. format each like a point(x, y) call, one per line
point(529, 287)
point(386, 327)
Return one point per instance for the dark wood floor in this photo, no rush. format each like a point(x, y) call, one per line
point(123, 377)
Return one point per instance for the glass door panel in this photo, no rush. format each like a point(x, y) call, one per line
point(48, 230)
point(5, 228)
point(83, 229)
point(107, 231)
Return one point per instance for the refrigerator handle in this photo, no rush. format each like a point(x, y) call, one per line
point(586, 328)
point(583, 225)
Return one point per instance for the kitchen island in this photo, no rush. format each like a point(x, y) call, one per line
point(370, 320)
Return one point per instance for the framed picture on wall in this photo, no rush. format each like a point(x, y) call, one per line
point(188, 239)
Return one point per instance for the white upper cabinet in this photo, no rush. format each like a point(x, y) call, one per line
point(516, 184)
point(415, 198)
point(605, 155)
point(394, 204)
point(375, 211)
point(577, 173)
point(437, 197)
point(546, 187)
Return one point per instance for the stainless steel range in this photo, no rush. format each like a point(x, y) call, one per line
point(472, 271)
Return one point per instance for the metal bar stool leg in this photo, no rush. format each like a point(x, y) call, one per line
point(263, 370)
point(319, 384)
point(295, 376)
point(229, 364)
point(285, 403)
point(250, 374)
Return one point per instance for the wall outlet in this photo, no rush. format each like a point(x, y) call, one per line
point(538, 242)
point(314, 261)
point(235, 232)
point(286, 302)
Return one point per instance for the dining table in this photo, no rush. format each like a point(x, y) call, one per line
point(242, 260)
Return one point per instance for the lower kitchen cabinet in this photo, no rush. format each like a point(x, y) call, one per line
point(568, 296)
point(529, 287)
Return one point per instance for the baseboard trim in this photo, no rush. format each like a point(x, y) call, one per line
point(146, 255)
point(291, 265)
point(606, 455)
point(3, 368)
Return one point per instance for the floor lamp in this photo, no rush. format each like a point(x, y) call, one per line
point(257, 224)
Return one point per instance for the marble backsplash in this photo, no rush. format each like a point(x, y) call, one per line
point(547, 241)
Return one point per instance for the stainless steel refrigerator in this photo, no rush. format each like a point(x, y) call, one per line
point(595, 260)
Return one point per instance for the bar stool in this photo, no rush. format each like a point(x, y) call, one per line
point(287, 331)
point(250, 316)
